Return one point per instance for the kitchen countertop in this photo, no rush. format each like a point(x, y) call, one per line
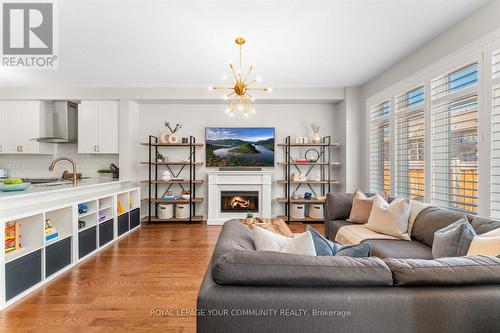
point(52, 188)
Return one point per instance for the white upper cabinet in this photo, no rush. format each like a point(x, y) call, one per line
point(20, 123)
point(98, 127)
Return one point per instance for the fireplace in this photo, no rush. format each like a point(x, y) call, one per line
point(239, 201)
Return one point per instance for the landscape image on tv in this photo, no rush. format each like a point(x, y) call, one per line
point(239, 146)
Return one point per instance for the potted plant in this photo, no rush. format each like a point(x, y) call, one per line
point(315, 127)
point(249, 218)
point(159, 157)
point(107, 173)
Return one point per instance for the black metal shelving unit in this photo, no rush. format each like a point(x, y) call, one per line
point(325, 165)
point(153, 200)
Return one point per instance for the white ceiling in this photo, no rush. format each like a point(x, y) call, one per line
point(294, 43)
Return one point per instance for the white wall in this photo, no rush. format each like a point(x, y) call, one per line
point(483, 21)
point(288, 119)
point(38, 165)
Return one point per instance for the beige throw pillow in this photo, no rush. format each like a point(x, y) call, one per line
point(390, 219)
point(362, 207)
point(265, 240)
point(487, 244)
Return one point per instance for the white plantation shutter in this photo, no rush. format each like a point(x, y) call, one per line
point(454, 154)
point(457, 80)
point(495, 137)
point(409, 149)
point(379, 148)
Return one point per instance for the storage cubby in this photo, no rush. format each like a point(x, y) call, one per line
point(122, 203)
point(105, 203)
point(105, 214)
point(135, 218)
point(135, 199)
point(105, 232)
point(30, 231)
point(23, 273)
point(87, 241)
point(62, 220)
point(90, 221)
point(123, 224)
point(91, 208)
point(57, 256)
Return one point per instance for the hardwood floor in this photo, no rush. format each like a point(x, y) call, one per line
point(154, 269)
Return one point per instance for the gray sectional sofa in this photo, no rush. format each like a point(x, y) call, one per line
point(249, 291)
point(338, 207)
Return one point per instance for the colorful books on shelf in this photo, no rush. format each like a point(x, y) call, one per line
point(12, 236)
point(50, 231)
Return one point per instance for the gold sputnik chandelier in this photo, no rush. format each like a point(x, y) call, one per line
point(239, 95)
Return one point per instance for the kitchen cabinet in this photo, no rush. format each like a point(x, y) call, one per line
point(20, 123)
point(98, 127)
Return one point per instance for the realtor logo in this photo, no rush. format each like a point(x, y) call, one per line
point(28, 35)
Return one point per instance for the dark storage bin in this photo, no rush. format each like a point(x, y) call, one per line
point(123, 224)
point(87, 241)
point(105, 232)
point(57, 256)
point(135, 218)
point(23, 273)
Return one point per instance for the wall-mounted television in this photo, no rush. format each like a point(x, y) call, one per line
point(239, 146)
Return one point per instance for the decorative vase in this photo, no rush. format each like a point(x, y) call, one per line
point(165, 136)
point(173, 138)
point(249, 220)
point(316, 138)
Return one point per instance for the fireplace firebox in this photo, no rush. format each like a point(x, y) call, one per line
point(239, 201)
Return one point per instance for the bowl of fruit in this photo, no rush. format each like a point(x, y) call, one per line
point(15, 184)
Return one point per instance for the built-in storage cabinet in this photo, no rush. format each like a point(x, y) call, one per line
point(23, 273)
point(98, 127)
point(48, 243)
point(57, 256)
point(123, 223)
point(105, 232)
point(20, 123)
point(87, 241)
point(135, 218)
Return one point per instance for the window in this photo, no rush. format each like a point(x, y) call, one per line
point(495, 138)
point(457, 80)
point(379, 148)
point(409, 151)
point(495, 61)
point(454, 154)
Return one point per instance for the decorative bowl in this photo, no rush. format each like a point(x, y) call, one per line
point(14, 187)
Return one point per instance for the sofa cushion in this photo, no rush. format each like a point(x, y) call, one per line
point(445, 271)
point(334, 226)
point(390, 219)
point(325, 247)
point(482, 226)
point(254, 268)
point(431, 220)
point(453, 240)
point(338, 205)
point(391, 248)
point(300, 244)
point(266, 240)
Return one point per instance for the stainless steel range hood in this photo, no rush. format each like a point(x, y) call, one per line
point(65, 123)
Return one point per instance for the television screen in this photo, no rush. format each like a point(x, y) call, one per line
point(239, 146)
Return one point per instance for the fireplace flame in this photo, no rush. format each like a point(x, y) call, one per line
point(238, 202)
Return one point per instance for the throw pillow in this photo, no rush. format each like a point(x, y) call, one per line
point(362, 207)
point(453, 240)
point(325, 247)
point(300, 244)
point(265, 240)
point(487, 244)
point(390, 219)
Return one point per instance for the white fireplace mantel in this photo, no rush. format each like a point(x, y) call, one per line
point(218, 181)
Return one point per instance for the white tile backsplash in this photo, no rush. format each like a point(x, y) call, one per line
point(38, 165)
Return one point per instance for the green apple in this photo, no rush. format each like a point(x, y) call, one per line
point(13, 181)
